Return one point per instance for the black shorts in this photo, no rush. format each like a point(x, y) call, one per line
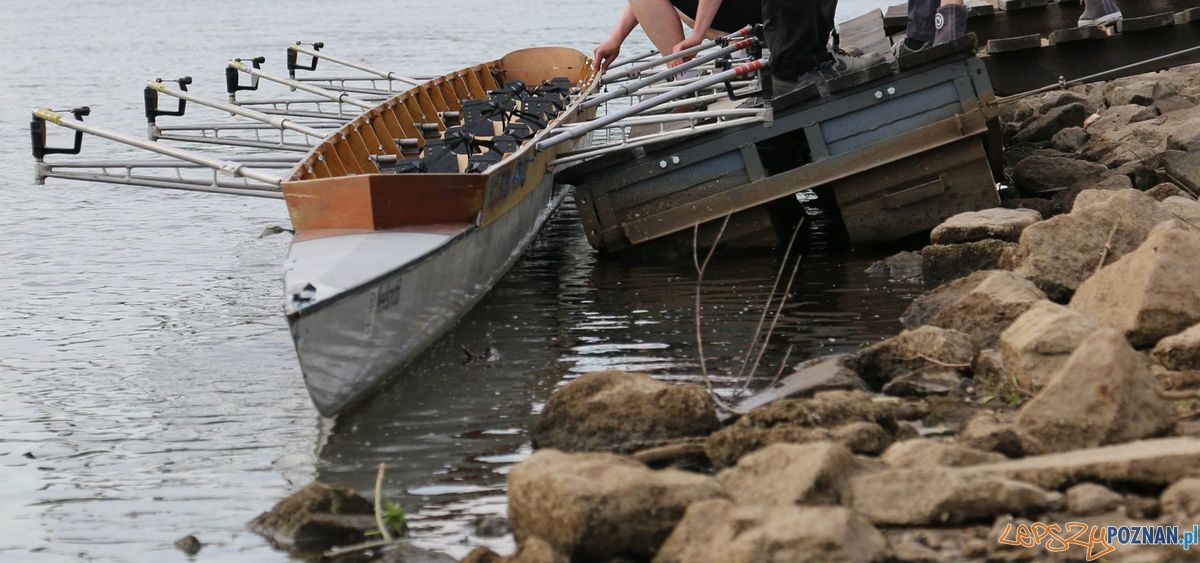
point(731, 16)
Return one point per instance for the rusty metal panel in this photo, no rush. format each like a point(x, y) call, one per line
point(917, 193)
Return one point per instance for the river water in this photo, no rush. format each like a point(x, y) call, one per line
point(150, 389)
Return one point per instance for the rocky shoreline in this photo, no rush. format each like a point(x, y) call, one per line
point(1049, 377)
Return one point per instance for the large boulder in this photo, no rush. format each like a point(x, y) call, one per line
point(943, 262)
point(922, 310)
point(813, 473)
point(920, 452)
point(995, 223)
point(1069, 140)
point(718, 531)
point(992, 432)
point(1097, 189)
point(1145, 463)
point(842, 416)
point(597, 507)
point(942, 496)
point(1038, 343)
point(1033, 107)
point(1104, 394)
point(922, 350)
point(989, 308)
point(1040, 175)
point(1182, 208)
point(1086, 499)
point(1152, 292)
point(1182, 498)
point(902, 267)
point(1044, 126)
point(621, 411)
point(317, 517)
point(1180, 352)
point(1060, 253)
point(1165, 190)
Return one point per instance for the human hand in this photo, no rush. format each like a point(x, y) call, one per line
point(684, 45)
point(605, 54)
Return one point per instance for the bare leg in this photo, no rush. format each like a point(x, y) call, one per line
point(660, 20)
point(712, 33)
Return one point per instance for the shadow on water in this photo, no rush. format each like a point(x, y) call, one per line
point(454, 423)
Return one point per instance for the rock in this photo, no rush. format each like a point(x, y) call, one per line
point(1034, 106)
point(827, 373)
point(944, 262)
point(921, 452)
point(685, 454)
point(1139, 93)
point(719, 531)
point(1182, 498)
point(1116, 118)
point(1171, 104)
point(612, 410)
point(1104, 394)
point(923, 350)
point(1183, 167)
point(988, 373)
point(1180, 352)
point(1146, 463)
point(1184, 209)
point(1165, 190)
point(1145, 173)
point(866, 438)
point(1043, 127)
point(797, 421)
point(926, 383)
point(483, 554)
point(316, 517)
point(1043, 206)
point(1151, 293)
point(1096, 191)
point(490, 526)
point(940, 495)
point(1069, 140)
point(922, 310)
point(990, 433)
point(814, 473)
point(596, 507)
point(1036, 346)
point(1088, 499)
point(985, 311)
point(408, 553)
point(188, 544)
point(904, 266)
point(535, 550)
point(1058, 254)
point(995, 223)
point(1040, 175)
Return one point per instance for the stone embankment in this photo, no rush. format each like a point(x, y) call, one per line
point(1050, 374)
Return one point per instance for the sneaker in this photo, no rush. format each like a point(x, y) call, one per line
point(1100, 12)
point(845, 63)
point(904, 48)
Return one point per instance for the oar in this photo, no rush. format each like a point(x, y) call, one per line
point(611, 76)
point(314, 52)
point(634, 86)
point(340, 97)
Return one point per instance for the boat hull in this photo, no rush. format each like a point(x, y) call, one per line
point(350, 344)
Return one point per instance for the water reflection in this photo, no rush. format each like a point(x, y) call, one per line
point(454, 423)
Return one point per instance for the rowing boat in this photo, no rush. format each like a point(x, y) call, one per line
point(407, 203)
point(383, 264)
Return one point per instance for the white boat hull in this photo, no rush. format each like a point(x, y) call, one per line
point(350, 343)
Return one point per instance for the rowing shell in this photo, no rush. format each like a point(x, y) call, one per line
point(382, 265)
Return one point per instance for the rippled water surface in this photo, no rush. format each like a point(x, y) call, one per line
point(150, 389)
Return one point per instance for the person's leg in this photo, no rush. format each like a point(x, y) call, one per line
point(950, 23)
point(660, 20)
point(794, 37)
point(920, 23)
point(1099, 12)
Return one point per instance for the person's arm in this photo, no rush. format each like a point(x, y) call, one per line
point(607, 52)
point(706, 10)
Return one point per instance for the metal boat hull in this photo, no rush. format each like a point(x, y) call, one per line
point(351, 343)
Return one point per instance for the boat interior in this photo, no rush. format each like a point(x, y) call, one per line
point(423, 156)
